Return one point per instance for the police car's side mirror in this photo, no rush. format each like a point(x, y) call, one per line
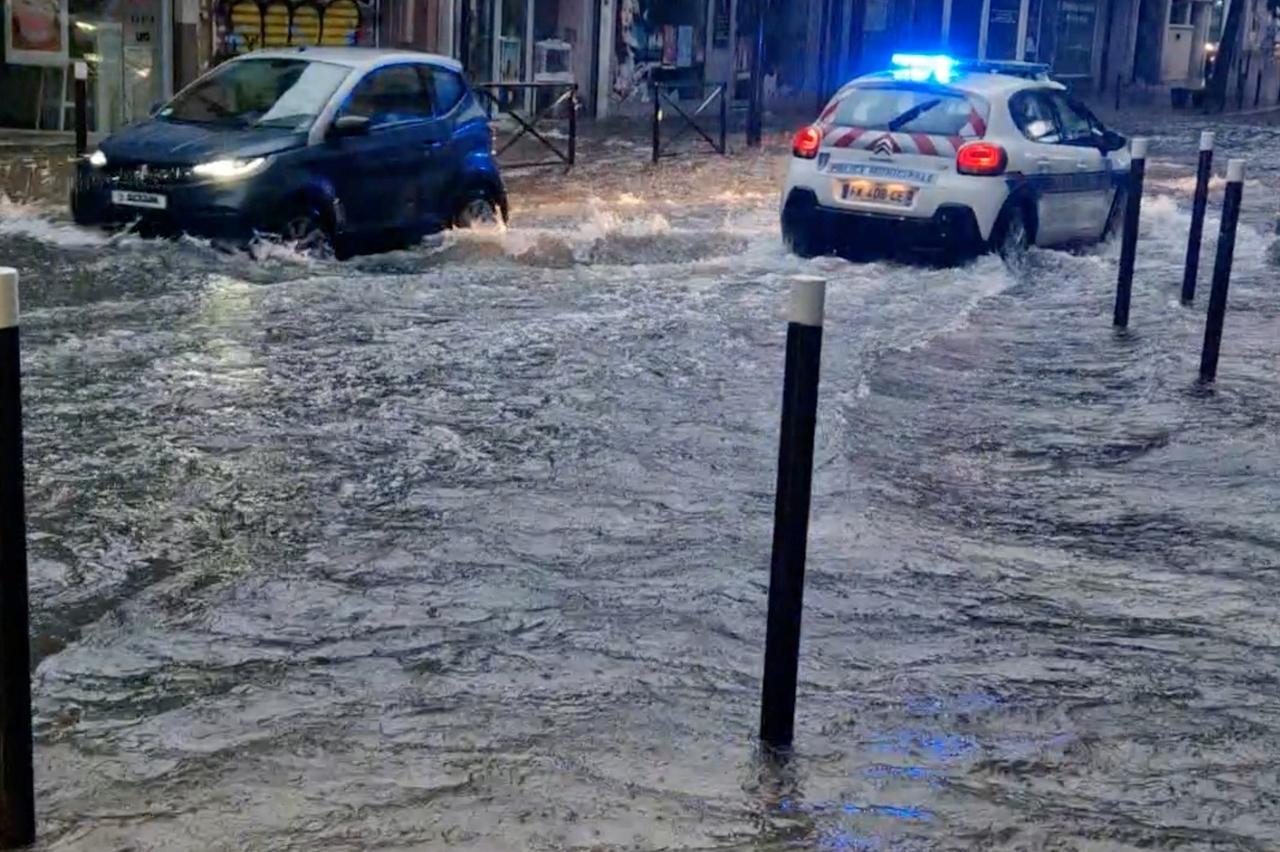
point(1112, 141)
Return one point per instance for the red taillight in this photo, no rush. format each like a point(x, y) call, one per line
point(807, 142)
point(981, 158)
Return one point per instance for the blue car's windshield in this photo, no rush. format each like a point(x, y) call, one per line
point(287, 93)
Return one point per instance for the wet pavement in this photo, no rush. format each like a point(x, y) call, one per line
point(466, 545)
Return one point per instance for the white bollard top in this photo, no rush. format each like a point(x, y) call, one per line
point(8, 297)
point(1235, 171)
point(1206, 140)
point(808, 300)
point(1138, 148)
point(82, 71)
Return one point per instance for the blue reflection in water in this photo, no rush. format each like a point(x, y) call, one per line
point(943, 747)
point(789, 805)
point(965, 702)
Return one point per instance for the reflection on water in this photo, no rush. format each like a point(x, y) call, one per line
point(466, 544)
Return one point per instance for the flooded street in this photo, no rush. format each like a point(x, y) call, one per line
point(467, 545)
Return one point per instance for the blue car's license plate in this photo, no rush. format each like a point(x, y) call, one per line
point(149, 200)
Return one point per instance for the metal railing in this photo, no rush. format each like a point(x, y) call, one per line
point(520, 102)
point(661, 149)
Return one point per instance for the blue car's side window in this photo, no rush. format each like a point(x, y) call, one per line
point(449, 89)
point(390, 95)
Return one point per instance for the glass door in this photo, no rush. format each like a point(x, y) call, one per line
point(513, 40)
point(143, 56)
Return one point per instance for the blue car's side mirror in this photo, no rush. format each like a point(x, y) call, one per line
point(349, 125)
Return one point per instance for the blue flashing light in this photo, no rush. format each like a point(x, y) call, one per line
point(922, 67)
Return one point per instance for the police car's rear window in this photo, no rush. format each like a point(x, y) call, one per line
point(909, 110)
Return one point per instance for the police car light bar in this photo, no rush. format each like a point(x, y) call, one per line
point(923, 67)
point(1029, 70)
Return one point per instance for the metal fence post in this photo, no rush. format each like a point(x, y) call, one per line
point(791, 511)
point(1129, 239)
point(724, 119)
point(1222, 271)
point(1203, 173)
point(17, 792)
point(81, 107)
point(573, 127)
point(657, 123)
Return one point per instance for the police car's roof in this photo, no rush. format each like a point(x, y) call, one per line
point(984, 83)
point(353, 57)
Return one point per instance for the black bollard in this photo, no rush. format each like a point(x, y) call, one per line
point(1129, 239)
point(791, 512)
point(1201, 200)
point(82, 109)
point(17, 794)
point(657, 124)
point(1222, 271)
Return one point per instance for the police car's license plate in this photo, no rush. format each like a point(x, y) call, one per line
point(150, 200)
point(896, 194)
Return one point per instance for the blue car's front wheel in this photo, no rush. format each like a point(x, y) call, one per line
point(307, 231)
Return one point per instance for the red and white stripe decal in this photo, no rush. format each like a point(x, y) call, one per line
point(977, 123)
point(925, 144)
point(845, 137)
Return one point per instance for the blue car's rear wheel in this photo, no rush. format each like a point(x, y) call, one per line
point(478, 207)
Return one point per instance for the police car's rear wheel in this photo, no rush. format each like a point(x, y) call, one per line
point(1012, 235)
point(803, 242)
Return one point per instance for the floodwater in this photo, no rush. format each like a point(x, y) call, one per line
point(467, 545)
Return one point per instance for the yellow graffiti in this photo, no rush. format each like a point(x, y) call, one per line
point(249, 25)
point(246, 25)
point(306, 26)
point(275, 25)
point(341, 23)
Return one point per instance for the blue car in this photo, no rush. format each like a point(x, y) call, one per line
point(328, 147)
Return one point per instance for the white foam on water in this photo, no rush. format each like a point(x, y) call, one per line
point(38, 222)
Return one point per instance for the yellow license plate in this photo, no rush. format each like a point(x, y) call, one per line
point(894, 194)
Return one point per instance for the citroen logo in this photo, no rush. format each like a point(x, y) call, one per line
point(143, 171)
point(885, 146)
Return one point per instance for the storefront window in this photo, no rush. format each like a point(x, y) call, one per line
point(480, 39)
point(123, 43)
point(1077, 21)
point(511, 42)
point(660, 40)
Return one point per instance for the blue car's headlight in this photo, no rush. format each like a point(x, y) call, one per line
point(229, 169)
point(97, 159)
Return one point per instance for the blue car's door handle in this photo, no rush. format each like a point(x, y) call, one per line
point(433, 144)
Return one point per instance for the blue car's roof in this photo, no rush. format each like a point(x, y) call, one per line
point(354, 57)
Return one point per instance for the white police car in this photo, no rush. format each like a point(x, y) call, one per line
point(954, 157)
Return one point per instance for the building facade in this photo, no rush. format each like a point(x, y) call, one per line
point(140, 51)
